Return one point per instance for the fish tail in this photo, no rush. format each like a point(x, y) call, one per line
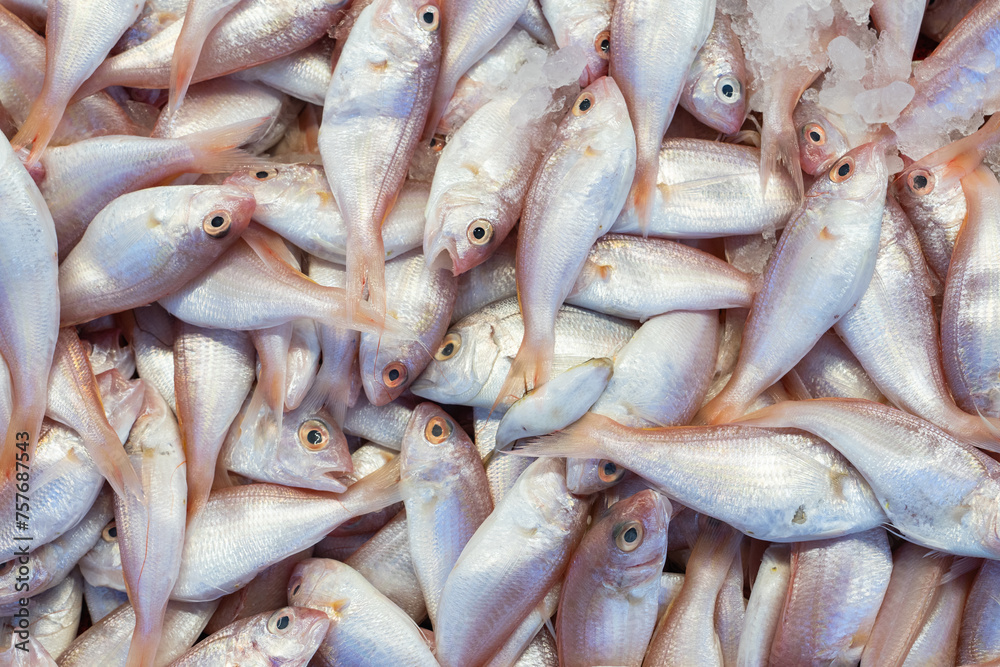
point(40, 125)
point(778, 143)
point(217, 150)
point(530, 369)
point(642, 196)
point(727, 406)
point(375, 491)
point(186, 53)
point(22, 437)
point(112, 461)
point(142, 650)
point(582, 439)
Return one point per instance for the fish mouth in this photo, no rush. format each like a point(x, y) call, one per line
point(443, 255)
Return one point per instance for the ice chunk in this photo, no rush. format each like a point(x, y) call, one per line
point(883, 105)
point(846, 58)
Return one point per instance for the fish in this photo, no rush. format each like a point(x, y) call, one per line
point(102, 601)
point(303, 362)
point(446, 495)
point(767, 598)
point(304, 74)
point(585, 25)
point(607, 609)
point(941, 17)
point(534, 22)
point(675, 30)
point(56, 615)
point(375, 108)
point(955, 501)
point(150, 332)
point(68, 62)
point(485, 283)
point(382, 425)
point(335, 377)
point(537, 527)
point(160, 238)
point(938, 638)
point(196, 24)
point(773, 485)
point(102, 565)
point(836, 228)
point(978, 637)
point(582, 181)
point(830, 370)
point(364, 625)
point(821, 136)
point(716, 85)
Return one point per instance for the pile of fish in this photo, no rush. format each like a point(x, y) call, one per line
point(499, 332)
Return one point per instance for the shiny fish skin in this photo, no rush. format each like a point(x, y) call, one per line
point(584, 25)
point(638, 278)
point(573, 200)
point(102, 601)
point(160, 238)
point(366, 628)
point(674, 30)
point(501, 471)
point(537, 525)
point(303, 362)
point(489, 339)
point(383, 425)
point(841, 581)
point(446, 495)
point(336, 375)
point(979, 639)
point(706, 189)
point(198, 21)
point(822, 266)
point(831, 371)
point(607, 610)
point(102, 565)
point(969, 314)
point(521, 638)
point(374, 111)
point(767, 597)
point(937, 642)
point(534, 22)
point(490, 281)
point(716, 88)
point(783, 486)
point(304, 75)
point(150, 333)
point(56, 615)
point(69, 60)
point(949, 507)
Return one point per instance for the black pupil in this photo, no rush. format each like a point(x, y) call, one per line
point(631, 535)
point(844, 169)
point(584, 104)
point(261, 174)
point(436, 430)
point(296, 590)
point(428, 17)
point(727, 90)
point(282, 623)
point(605, 44)
point(218, 221)
point(113, 531)
point(920, 182)
point(609, 469)
point(814, 135)
point(394, 374)
point(314, 437)
point(478, 232)
point(448, 349)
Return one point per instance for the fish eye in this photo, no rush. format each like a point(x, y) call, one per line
point(279, 621)
point(110, 532)
point(437, 430)
point(314, 435)
point(602, 44)
point(814, 134)
point(217, 223)
point(609, 472)
point(628, 536)
point(394, 375)
point(265, 174)
point(921, 181)
point(842, 170)
point(583, 103)
point(429, 17)
point(480, 232)
point(6, 567)
point(729, 90)
point(448, 347)
point(437, 143)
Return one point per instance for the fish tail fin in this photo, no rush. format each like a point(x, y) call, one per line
point(724, 408)
point(375, 491)
point(643, 188)
point(779, 144)
point(22, 437)
point(583, 439)
point(217, 150)
point(187, 50)
point(531, 368)
point(40, 125)
point(142, 650)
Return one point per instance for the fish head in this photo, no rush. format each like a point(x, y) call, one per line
point(122, 399)
point(287, 636)
point(109, 349)
point(102, 565)
point(718, 93)
point(411, 29)
point(389, 366)
point(431, 440)
point(303, 185)
point(633, 537)
point(586, 476)
point(590, 32)
point(217, 215)
point(857, 178)
point(931, 190)
point(461, 365)
point(313, 449)
point(464, 228)
point(325, 585)
point(599, 116)
point(821, 141)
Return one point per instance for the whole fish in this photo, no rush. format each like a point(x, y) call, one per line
point(968, 349)
point(767, 597)
point(29, 311)
point(374, 111)
point(706, 189)
point(509, 565)
point(290, 635)
point(146, 244)
point(774, 485)
point(152, 530)
point(607, 609)
point(715, 90)
point(365, 626)
point(979, 639)
point(475, 356)
point(820, 269)
point(574, 198)
point(945, 505)
point(585, 25)
point(198, 21)
point(841, 581)
point(446, 495)
point(673, 30)
point(69, 61)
